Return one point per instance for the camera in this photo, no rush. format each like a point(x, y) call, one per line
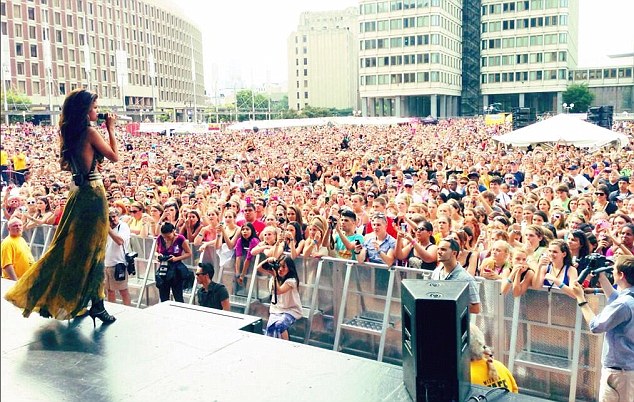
point(163, 273)
point(129, 259)
point(163, 259)
point(272, 266)
point(332, 222)
point(595, 263)
point(102, 116)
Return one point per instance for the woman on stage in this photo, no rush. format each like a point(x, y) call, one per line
point(71, 273)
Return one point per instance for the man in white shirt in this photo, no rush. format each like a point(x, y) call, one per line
point(582, 184)
point(117, 245)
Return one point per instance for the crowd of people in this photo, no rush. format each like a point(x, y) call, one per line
point(445, 198)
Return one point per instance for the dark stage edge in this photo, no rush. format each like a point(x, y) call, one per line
point(167, 353)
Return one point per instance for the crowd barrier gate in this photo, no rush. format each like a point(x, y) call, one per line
point(349, 306)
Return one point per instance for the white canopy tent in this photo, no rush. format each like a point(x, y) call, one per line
point(564, 129)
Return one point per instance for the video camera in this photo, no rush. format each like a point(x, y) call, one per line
point(129, 259)
point(595, 263)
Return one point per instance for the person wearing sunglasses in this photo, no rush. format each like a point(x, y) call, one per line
point(210, 294)
point(601, 202)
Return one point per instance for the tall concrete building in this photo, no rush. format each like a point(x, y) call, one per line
point(455, 57)
point(322, 57)
point(528, 49)
point(139, 56)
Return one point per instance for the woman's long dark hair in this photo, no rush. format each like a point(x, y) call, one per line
point(299, 236)
point(47, 203)
point(73, 124)
point(254, 235)
point(584, 248)
point(292, 271)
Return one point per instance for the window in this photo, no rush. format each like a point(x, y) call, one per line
point(396, 5)
point(31, 13)
point(35, 69)
point(422, 77)
point(62, 89)
point(33, 50)
point(396, 78)
point(396, 24)
point(422, 21)
point(19, 67)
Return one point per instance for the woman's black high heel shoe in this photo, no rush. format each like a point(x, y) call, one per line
point(97, 310)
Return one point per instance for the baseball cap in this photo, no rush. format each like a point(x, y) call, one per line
point(573, 167)
point(434, 188)
point(624, 178)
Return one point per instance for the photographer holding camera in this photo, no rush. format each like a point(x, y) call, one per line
point(617, 321)
point(172, 249)
point(117, 244)
point(286, 305)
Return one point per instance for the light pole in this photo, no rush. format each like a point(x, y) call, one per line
point(568, 107)
point(23, 117)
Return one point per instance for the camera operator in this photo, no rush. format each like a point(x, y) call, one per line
point(346, 237)
point(617, 321)
point(286, 305)
point(173, 248)
point(116, 246)
point(211, 294)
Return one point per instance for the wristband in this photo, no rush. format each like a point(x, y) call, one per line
point(509, 280)
point(583, 303)
point(562, 285)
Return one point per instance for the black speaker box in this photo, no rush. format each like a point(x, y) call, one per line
point(436, 360)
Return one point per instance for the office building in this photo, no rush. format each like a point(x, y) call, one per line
point(455, 57)
point(322, 57)
point(112, 47)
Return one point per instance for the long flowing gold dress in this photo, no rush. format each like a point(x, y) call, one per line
point(71, 273)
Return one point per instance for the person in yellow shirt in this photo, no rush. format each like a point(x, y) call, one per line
point(16, 253)
point(4, 164)
point(19, 166)
point(484, 369)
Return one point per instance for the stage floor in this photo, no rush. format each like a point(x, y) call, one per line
point(146, 356)
point(174, 352)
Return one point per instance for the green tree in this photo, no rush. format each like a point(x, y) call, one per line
point(16, 102)
point(248, 101)
point(580, 95)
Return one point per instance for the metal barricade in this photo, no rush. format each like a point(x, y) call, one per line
point(39, 239)
point(365, 305)
point(240, 297)
point(145, 266)
point(547, 341)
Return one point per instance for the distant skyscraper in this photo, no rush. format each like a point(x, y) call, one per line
point(322, 54)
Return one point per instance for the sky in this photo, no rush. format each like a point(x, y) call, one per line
point(246, 40)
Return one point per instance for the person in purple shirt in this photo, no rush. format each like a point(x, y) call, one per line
point(245, 243)
point(616, 320)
